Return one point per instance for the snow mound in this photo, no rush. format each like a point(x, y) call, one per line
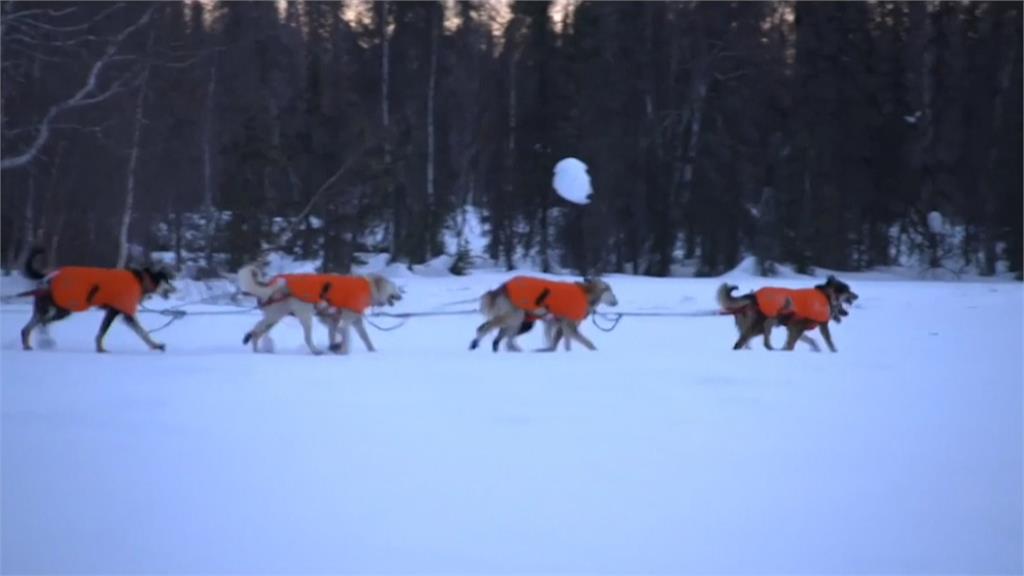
point(747, 268)
point(375, 263)
point(436, 268)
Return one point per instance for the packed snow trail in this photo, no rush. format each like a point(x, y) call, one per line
point(664, 451)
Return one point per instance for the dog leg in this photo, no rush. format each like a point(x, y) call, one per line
point(743, 322)
point(305, 316)
point(523, 328)
point(511, 345)
point(363, 335)
point(42, 308)
point(748, 326)
point(827, 335)
point(481, 331)
point(108, 319)
point(806, 339)
point(557, 334)
point(133, 323)
point(332, 320)
point(795, 332)
point(329, 322)
point(549, 331)
point(346, 336)
point(259, 331)
point(509, 323)
point(496, 343)
point(572, 332)
point(26, 332)
point(768, 325)
point(511, 328)
point(745, 336)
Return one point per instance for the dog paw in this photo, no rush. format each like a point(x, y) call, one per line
point(266, 345)
point(474, 344)
point(159, 346)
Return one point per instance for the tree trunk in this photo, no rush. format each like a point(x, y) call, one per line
point(924, 44)
point(133, 160)
point(990, 223)
point(58, 226)
point(29, 223)
point(510, 153)
point(178, 233)
point(384, 22)
point(431, 112)
point(545, 258)
point(208, 187)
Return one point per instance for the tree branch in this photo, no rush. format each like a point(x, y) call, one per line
point(85, 96)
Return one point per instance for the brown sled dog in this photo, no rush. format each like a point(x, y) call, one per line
point(799, 311)
point(516, 305)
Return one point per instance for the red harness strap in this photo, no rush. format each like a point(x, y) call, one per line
point(279, 297)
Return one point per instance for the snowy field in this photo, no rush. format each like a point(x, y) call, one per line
point(663, 452)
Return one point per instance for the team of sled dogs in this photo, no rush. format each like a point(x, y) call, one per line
point(340, 302)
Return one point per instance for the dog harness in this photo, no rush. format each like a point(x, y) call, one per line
point(808, 304)
point(78, 288)
point(343, 292)
point(565, 300)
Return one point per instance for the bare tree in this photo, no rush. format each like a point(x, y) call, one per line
point(208, 187)
point(435, 24)
point(93, 90)
point(133, 162)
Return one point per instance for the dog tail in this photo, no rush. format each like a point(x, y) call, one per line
point(488, 302)
point(250, 282)
point(727, 301)
point(29, 269)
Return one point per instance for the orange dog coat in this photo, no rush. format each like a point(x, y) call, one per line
point(808, 304)
point(565, 300)
point(78, 288)
point(344, 292)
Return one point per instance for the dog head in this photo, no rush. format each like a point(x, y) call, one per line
point(839, 294)
point(385, 292)
point(840, 290)
point(157, 281)
point(598, 292)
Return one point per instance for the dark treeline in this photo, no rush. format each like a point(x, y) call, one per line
point(845, 135)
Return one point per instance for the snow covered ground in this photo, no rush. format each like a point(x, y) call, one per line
point(664, 451)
